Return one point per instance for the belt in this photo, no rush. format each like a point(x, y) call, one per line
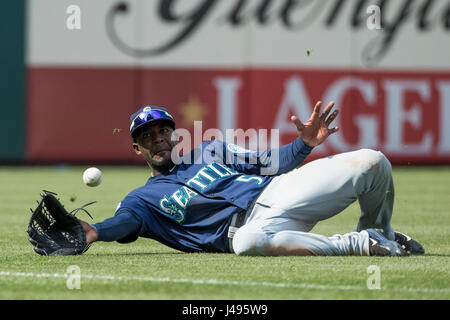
point(237, 221)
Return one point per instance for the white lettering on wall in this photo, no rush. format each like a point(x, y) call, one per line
point(227, 100)
point(397, 116)
point(367, 125)
point(294, 98)
point(444, 117)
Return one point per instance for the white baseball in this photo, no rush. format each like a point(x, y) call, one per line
point(92, 177)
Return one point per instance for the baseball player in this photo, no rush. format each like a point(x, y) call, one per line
point(222, 198)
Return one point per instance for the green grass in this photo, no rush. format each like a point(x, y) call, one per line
point(153, 271)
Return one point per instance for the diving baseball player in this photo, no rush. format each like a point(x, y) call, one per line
point(222, 198)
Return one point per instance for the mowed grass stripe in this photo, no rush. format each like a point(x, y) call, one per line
point(216, 282)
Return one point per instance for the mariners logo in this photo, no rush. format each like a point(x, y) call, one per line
point(177, 203)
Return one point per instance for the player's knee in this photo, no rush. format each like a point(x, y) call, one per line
point(371, 159)
point(249, 242)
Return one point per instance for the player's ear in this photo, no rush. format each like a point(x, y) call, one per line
point(136, 149)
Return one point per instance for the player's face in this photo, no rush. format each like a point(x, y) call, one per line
point(154, 144)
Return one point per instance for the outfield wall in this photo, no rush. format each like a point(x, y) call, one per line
point(12, 82)
point(237, 64)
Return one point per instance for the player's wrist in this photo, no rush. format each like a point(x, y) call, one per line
point(91, 236)
point(90, 231)
point(307, 143)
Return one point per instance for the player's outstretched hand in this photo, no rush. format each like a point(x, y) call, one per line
point(314, 131)
point(91, 233)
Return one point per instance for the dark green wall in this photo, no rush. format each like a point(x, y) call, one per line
point(12, 81)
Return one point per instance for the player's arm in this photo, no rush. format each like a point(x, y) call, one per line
point(268, 162)
point(121, 226)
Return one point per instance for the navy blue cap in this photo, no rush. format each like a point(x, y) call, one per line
point(147, 115)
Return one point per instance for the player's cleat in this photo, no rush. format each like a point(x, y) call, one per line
point(409, 244)
point(379, 245)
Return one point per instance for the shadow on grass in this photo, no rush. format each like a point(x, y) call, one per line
point(136, 254)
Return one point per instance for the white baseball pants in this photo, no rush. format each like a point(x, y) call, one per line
point(292, 204)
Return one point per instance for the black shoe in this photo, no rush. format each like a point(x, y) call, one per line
point(409, 244)
point(379, 245)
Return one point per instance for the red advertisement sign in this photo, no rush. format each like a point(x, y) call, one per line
point(79, 115)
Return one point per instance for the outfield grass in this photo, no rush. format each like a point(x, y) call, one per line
point(146, 269)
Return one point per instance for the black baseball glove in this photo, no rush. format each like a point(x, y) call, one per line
point(55, 232)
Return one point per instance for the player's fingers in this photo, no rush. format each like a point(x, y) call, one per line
point(40, 251)
point(316, 110)
point(332, 117)
point(327, 111)
point(331, 131)
point(32, 241)
point(297, 123)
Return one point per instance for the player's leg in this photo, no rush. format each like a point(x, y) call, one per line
point(325, 187)
point(276, 235)
point(280, 236)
